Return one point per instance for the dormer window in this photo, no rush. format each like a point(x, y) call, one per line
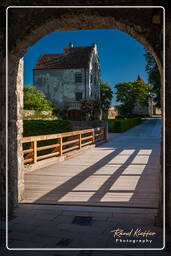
point(78, 78)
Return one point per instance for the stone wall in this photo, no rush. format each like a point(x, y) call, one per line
point(38, 115)
point(59, 84)
point(26, 26)
point(60, 87)
point(139, 110)
point(112, 112)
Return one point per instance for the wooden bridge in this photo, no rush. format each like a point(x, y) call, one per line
point(123, 172)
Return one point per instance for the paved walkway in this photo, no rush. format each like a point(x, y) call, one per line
point(124, 172)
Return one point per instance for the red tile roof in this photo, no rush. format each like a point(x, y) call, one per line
point(140, 78)
point(73, 57)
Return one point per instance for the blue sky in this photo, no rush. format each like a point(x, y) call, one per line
point(121, 56)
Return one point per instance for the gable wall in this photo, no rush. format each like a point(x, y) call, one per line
point(59, 84)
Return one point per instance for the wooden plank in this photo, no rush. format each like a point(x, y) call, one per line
point(42, 137)
point(89, 142)
point(70, 149)
point(86, 138)
point(70, 142)
point(27, 150)
point(30, 155)
point(87, 131)
point(47, 155)
point(30, 160)
point(33, 139)
point(58, 135)
point(99, 134)
point(60, 147)
point(93, 136)
point(69, 134)
point(80, 140)
point(35, 152)
point(27, 139)
point(48, 147)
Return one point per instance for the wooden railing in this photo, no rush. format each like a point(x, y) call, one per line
point(35, 148)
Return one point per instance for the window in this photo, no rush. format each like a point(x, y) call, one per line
point(95, 66)
point(91, 78)
point(95, 80)
point(78, 78)
point(78, 96)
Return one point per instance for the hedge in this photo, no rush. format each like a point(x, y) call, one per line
point(116, 125)
point(43, 127)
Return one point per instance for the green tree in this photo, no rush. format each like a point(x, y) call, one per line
point(106, 95)
point(90, 108)
point(153, 77)
point(35, 100)
point(130, 94)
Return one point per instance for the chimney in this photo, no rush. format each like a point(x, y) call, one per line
point(71, 45)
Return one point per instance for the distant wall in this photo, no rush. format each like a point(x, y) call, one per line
point(38, 115)
point(112, 113)
point(139, 110)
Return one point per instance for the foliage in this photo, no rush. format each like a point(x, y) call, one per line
point(90, 108)
point(130, 94)
point(106, 95)
point(63, 113)
point(35, 100)
point(43, 127)
point(153, 77)
point(116, 125)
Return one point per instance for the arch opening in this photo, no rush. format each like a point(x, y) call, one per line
point(81, 22)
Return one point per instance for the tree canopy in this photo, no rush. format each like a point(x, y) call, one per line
point(35, 100)
point(153, 76)
point(90, 108)
point(132, 93)
point(106, 95)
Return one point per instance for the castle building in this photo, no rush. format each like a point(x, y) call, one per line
point(69, 77)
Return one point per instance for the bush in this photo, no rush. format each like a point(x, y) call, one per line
point(121, 125)
point(43, 127)
point(36, 100)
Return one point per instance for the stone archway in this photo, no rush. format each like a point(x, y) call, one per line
point(145, 25)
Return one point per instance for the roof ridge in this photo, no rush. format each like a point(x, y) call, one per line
point(76, 57)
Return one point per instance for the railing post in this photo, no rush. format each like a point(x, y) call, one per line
point(93, 139)
point(60, 147)
point(35, 151)
point(80, 140)
point(106, 131)
point(32, 153)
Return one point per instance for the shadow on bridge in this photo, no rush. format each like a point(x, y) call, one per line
point(127, 176)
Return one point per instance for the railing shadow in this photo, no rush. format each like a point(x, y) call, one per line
point(131, 182)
